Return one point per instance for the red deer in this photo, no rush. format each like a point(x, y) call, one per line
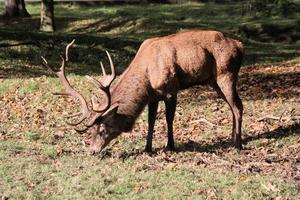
point(161, 67)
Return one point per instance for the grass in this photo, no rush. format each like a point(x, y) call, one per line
point(78, 176)
point(43, 158)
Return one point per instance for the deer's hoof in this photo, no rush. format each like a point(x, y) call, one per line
point(170, 148)
point(238, 145)
point(148, 149)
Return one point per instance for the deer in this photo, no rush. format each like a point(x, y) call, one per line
point(161, 67)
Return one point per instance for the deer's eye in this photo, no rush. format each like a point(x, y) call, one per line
point(102, 129)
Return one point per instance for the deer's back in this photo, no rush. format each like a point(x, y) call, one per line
point(188, 58)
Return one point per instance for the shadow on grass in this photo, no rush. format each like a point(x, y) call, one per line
point(89, 49)
point(252, 86)
point(220, 144)
point(283, 83)
point(278, 133)
point(33, 23)
point(121, 29)
point(84, 57)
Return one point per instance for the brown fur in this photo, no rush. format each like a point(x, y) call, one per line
point(164, 65)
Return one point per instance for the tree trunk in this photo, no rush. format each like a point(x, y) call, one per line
point(22, 9)
point(47, 16)
point(11, 8)
point(15, 8)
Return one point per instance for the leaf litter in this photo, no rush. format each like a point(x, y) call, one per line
point(271, 128)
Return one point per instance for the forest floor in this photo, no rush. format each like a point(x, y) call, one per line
point(43, 158)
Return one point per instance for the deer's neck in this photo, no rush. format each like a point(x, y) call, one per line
point(131, 94)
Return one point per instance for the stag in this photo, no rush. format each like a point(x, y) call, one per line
point(161, 67)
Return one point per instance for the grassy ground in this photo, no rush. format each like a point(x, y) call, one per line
point(42, 158)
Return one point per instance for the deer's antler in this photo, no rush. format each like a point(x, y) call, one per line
point(69, 90)
point(104, 85)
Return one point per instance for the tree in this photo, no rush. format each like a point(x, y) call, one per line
point(15, 8)
point(47, 16)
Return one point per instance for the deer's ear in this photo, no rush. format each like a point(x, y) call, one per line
point(112, 111)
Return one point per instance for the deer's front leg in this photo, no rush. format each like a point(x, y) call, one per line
point(170, 112)
point(152, 111)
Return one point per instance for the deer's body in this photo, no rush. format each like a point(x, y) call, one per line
point(164, 65)
point(161, 67)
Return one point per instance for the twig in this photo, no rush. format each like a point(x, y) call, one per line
point(4, 45)
point(294, 118)
point(203, 120)
point(280, 118)
point(268, 117)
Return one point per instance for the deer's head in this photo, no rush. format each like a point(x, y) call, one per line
point(100, 119)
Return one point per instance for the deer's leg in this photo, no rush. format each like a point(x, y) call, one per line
point(170, 112)
point(227, 88)
point(220, 93)
point(152, 111)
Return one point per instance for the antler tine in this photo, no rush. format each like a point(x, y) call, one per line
point(67, 49)
point(107, 95)
point(74, 115)
point(112, 67)
point(45, 62)
point(95, 82)
point(103, 69)
point(104, 86)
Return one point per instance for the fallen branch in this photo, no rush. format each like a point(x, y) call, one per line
point(293, 118)
point(4, 45)
point(203, 120)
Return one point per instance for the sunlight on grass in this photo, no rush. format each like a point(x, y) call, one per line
point(88, 177)
point(43, 158)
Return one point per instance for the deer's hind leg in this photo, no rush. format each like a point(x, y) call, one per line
point(225, 85)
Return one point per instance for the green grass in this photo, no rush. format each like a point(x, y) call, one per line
point(43, 158)
point(81, 177)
